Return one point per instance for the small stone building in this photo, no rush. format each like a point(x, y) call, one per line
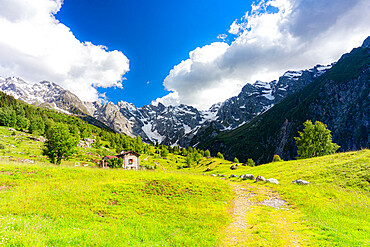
point(130, 160)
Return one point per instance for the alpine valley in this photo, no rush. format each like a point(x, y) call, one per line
point(257, 123)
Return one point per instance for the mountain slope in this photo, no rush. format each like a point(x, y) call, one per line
point(169, 125)
point(339, 98)
point(45, 94)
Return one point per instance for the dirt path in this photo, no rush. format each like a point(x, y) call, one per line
point(242, 206)
point(261, 218)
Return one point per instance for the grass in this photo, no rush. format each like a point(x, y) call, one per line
point(47, 205)
point(334, 208)
point(42, 205)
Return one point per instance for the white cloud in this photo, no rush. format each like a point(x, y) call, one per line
point(297, 34)
point(235, 28)
point(222, 36)
point(35, 46)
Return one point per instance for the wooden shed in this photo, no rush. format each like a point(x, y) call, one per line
point(130, 160)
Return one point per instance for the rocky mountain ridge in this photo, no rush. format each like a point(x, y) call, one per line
point(44, 94)
point(167, 125)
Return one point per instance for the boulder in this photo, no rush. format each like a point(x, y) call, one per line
point(247, 176)
point(272, 180)
point(260, 178)
point(88, 140)
point(213, 175)
point(233, 167)
point(233, 176)
point(299, 181)
point(41, 139)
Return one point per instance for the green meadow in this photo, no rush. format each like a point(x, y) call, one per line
point(44, 205)
point(176, 205)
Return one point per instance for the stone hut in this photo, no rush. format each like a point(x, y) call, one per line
point(130, 160)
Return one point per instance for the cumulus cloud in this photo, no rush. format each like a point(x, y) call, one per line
point(275, 36)
point(35, 46)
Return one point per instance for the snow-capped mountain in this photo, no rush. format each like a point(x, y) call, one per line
point(257, 98)
point(168, 125)
point(44, 94)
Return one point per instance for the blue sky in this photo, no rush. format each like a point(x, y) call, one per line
point(88, 46)
point(154, 35)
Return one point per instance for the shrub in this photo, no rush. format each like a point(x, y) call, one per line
point(276, 158)
point(164, 153)
point(115, 163)
point(236, 160)
point(250, 163)
point(220, 156)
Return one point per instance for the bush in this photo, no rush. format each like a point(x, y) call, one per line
point(164, 153)
point(115, 163)
point(220, 156)
point(250, 163)
point(276, 158)
point(2, 146)
point(236, 160)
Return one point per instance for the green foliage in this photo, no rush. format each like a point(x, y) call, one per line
point(176, 150)
point(22, 122)
point(236, 160)
point(164, 153)
point(250, 163)
point(60, 143)
point(315, 140)
point(97, 143)
point(36, 125)
point(115, 163)
point(8, 117)
point(189, 161)
point(2, 146)
point(207, 153)
point(219, 155)
point(276, 158)
point(184, 152)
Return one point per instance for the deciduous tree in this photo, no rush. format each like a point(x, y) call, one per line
point(60, 143)
point(315, 140)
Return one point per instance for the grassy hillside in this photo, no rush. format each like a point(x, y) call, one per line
point(333, 209)
point(177, 205)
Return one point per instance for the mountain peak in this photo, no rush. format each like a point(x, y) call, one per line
point(366, 43)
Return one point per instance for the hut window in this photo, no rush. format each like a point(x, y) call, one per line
point(130, 161)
